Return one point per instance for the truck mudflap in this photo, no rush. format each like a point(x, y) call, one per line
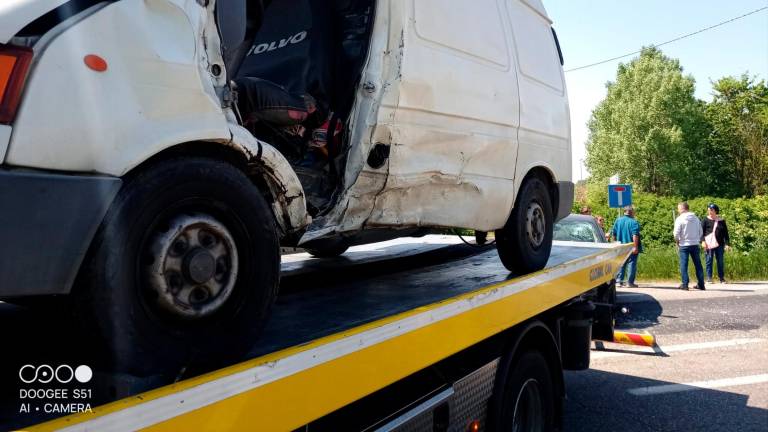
point(300, 379)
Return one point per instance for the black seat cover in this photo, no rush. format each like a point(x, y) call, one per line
point(293, 49)
point(264, 100)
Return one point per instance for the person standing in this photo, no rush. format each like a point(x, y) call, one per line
point(626, 229)
point(714, 223)
point(687, 234)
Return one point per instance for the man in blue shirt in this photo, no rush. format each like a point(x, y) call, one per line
point(627, 230)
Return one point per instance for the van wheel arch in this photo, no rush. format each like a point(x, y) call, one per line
point(545, 175)
point(266, 185)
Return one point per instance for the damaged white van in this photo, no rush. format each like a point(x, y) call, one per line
point(156, 153)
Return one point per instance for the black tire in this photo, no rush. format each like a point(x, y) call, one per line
point(140, 334)
point(523, 247)
point(525, 400)
point(328, 250)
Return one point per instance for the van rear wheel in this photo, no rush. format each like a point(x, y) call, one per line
point(525, 242)
point(183, 270)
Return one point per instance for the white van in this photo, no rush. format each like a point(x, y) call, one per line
point(156, 153)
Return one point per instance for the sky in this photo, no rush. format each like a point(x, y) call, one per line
point(593, 30)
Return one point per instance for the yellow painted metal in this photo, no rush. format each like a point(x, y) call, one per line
point(311, 393)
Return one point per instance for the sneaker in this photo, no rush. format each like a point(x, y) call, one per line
point(621, 284)
point(683, 287)
point(710, 280)
point(632, 285)
point(722, 281)
point(701, 287)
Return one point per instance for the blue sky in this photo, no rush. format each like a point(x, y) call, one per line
point(594, 30)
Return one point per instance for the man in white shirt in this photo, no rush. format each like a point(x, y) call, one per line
point(687, 234)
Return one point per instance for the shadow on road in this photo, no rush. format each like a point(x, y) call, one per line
point(641, 311)
point(600, 401)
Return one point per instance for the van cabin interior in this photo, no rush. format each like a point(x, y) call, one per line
point(295, 75)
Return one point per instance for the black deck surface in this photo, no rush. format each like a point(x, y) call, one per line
point(336, 296)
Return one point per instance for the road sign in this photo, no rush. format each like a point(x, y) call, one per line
point(619, 195)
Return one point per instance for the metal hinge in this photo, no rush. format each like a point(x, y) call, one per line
point(228, 96)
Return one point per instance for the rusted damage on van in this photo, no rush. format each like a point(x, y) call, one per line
point(268, 165)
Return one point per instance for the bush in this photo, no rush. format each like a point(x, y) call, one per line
point(662, 264)
point(747, 218)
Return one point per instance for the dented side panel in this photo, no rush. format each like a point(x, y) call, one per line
point(453, 125)
point(157, 91)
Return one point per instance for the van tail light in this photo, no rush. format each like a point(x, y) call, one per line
point(14, 65)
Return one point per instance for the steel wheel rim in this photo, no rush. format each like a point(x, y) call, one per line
point(535, 225)
point(193, 266)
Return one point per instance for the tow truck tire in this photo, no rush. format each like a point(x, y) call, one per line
point(526, 401)
point(525, 242)
point(195, 227)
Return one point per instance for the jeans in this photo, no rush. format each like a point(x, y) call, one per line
point(710, 256)
point(629, 267)
point(693, 252)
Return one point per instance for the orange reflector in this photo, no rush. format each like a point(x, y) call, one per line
point(6, 68)
point(474, 426)
point(14, 64)
point(95, 62)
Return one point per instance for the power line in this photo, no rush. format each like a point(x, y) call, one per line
point(671, 40)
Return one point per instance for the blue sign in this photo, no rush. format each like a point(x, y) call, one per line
point(619, 195)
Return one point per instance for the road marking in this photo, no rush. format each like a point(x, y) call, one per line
point(625, 350)
point(698, 385)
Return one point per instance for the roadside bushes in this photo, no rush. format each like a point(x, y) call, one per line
point(747, 218)
point(658, 264)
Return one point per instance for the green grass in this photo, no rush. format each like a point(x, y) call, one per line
point(662, 264)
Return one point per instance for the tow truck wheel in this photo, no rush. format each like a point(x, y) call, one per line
point(184, 268)
point(527, 402)
point(525, 242)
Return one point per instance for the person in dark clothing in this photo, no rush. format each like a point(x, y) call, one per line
point(708, 224)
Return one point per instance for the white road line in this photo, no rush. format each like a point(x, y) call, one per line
point(698, 385)
point(629, 350)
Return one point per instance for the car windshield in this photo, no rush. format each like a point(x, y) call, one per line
point(576, 230)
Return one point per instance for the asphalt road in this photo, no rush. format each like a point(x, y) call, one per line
point(715, 343)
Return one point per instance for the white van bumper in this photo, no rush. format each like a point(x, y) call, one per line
point(47, 224)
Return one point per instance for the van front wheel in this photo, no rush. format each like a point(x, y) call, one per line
point(183, 270)
point(525, 242)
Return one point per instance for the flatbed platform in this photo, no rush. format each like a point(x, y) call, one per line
point(343, 328)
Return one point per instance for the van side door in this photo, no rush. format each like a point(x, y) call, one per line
point(454, 116)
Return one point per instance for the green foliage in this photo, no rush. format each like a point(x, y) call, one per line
point(738, 116)
point(747, 218)
point(662, 264)
point(649, 128)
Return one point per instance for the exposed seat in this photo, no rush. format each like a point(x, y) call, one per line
point(262, 100)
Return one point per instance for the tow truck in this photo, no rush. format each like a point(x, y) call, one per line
point(441, 339)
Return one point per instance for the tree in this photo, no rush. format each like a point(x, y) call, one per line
point(739, 118)
point(650, 129)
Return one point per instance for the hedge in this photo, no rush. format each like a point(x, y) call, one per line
point(747, 218)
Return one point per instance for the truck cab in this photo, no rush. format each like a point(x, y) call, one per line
point(155, 154)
